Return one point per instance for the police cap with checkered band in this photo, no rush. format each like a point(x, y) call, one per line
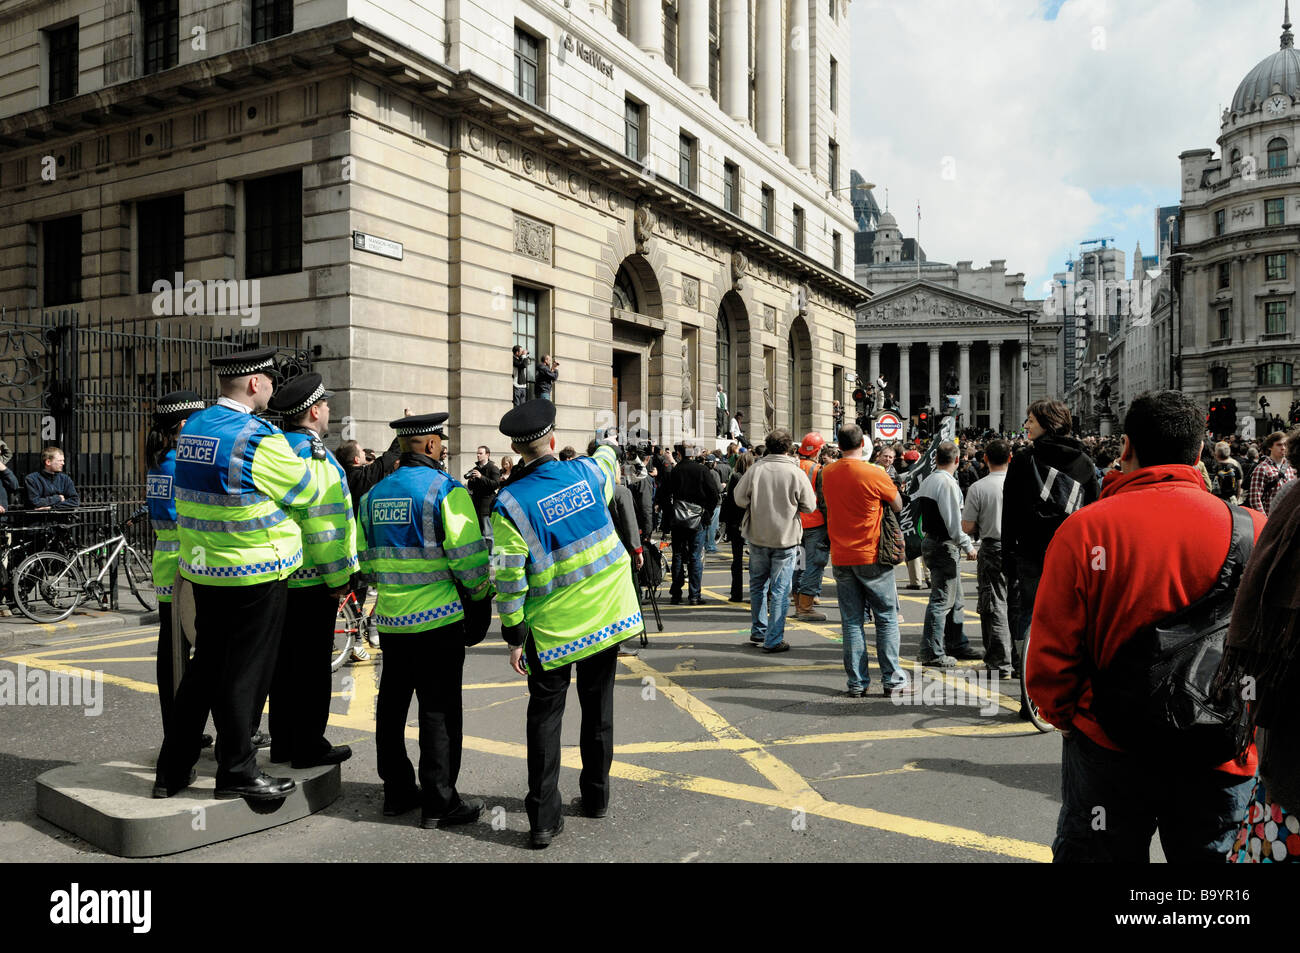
point(298, 395)
point(421, 425)
point(529, 421)
point(243, 363)
point(172, 408)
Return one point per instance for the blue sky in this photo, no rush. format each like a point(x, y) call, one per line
point(1024, 127)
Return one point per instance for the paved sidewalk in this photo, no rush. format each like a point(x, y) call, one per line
point(17, 630)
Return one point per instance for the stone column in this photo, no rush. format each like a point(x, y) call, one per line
point(995, 385)
point(693, 45)
point(873, 373)
point(648, 26)
point(966, 411)
point(735, 59)
point(1049, 359)
point(1018, 404)
point(796, 87)
point(905, 380)
point(767, 70)
point(936, 386)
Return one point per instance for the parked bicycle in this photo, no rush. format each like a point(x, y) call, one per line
point(48, 586)
point(351, 627)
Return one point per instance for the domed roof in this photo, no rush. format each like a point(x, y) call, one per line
point(887, 220)
point(1281, 69)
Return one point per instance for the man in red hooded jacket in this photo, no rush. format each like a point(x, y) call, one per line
point(1151, 545)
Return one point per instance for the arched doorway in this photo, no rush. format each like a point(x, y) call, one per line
point(636, 364)
point(732, 342)
point(799, 375)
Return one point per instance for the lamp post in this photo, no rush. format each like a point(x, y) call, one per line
point(1176, 320)
point(1024, 365)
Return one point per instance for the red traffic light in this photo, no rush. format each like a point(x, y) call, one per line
point(924, 415)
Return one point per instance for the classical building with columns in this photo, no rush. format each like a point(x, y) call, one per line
point(934, 329)
point(653, 193)
point(1236, 312)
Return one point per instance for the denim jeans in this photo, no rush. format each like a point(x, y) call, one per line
point(945, 610)
point(863, 588)
point(770, 574)
point(1025, 587)
point(711, 539)
point(688, 560)
point(816, 553)
point(1196, 810)
point(992, 588)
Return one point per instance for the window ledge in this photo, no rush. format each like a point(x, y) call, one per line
point(1221, 342)
point(1276, 336)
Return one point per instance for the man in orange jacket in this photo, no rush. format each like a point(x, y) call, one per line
point(1151, 545)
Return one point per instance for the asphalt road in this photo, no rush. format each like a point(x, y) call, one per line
point(722, 753)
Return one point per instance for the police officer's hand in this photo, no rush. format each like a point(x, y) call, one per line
point(517, 660)
point(340, 593)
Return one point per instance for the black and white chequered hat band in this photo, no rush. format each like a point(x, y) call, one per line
point(243, 370)
point(316, 395)
point(164, 410)
point(420, 430)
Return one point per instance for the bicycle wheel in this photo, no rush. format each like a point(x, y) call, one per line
point(139, 576)
point(347, 628)
point(1027, 706)
point(47, 587)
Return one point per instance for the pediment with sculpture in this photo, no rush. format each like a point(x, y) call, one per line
point(924, 303)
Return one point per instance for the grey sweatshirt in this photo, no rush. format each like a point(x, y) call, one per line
point(941, 487)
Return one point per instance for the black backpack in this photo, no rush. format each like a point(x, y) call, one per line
point(1155, 697)
point(1225, 480)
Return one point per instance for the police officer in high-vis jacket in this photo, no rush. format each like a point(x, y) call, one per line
point(422, 546)
point(304, 681)
point(237, 483)
point(565, 596)
point(169, 416)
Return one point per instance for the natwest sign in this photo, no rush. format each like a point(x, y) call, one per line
point(588, 54)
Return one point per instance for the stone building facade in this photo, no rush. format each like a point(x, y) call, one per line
point(421, 185)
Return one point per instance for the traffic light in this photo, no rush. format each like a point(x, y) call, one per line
point(923, 422)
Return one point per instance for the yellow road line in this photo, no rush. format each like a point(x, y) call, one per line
point(36, 661)
point(82, 647)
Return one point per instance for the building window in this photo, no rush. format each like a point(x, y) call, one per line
point(273, 212)
point(731, 187)
point(798, 228)
point(1220, 221)
point(767, 211)
point(160, 227)
point(833, 166)
point(686, 161)
point(61, 257)
point(831, 11)
point(1277, 154)
point(670, 35)
point(1275, 211)
point(633, 129)
point(1275, 317)
point(1225, 274)
point(271, 18)
point(618, 13)
point(724, 359)
point(835, 84)
point(63, 45)
point(837, 257)
point(715, 51)
point(528, 75)
point(1274, 372)
point(625, 296)
point(161, 22)
point(1225, 324)
point(1218, 378)
point(1275, 267)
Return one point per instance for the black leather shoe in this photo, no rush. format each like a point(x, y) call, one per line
point(162, 788)
point(581, 804)
point(261, 788)
point(396, 805)
point(466, 812)
point(337, 754)
point(540, 840)
point(261, 739)
point(675, 601)
point(695, 601)
point(967, 653)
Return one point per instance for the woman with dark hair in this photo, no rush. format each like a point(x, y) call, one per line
point(160, 451)
point(731, 517)
point(1045, 483)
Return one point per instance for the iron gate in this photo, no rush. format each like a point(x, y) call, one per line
point(89, 388)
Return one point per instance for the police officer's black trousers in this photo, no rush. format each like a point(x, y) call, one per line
point(166, 690)
point(236, 637)
point(429, 664)
point(303, 682)
point(546, 695)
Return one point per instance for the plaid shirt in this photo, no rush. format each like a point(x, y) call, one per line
point(1265, 480)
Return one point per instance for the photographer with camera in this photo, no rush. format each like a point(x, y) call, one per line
point(548, 370)
point(8, 479)
point(521, 374)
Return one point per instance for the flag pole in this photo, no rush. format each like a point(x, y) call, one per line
point(918, 240)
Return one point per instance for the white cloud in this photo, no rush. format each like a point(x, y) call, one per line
point(1045, 122)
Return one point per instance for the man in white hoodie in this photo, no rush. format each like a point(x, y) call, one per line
point(773, 492)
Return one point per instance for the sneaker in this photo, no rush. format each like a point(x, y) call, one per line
point(943, 661)
point(967, 653)
point(757, 639)
point(782, 646)
point(899, 691)
point(359, 653)
point(372, 632)
point(856, 693)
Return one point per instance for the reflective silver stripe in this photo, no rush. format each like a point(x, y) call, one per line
point(337, 566)
point(298, 488)
point(512, 585)
point(429, 514)
point(542, 560)
point(582, 572)
point(236, 469)
point(161, 526)
point(581, 545)
point(514, 605)
point(509, 560)
point(410, 578)
point(324, 536)
point(404, 552)
point(329, 509)
point(220, 499)
point(233, 526)
point(469, 549)
point(166, 545)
